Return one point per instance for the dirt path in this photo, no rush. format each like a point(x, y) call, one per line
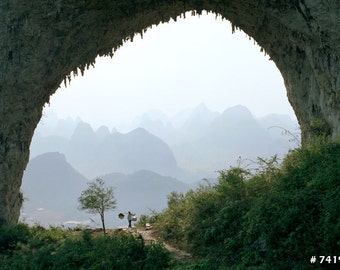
point(148, 236)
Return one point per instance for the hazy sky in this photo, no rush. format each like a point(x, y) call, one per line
point(175, 66)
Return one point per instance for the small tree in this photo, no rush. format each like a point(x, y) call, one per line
point(97, 199)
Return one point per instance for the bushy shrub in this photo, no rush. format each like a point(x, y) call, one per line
point(157, 257)
point(144, 219)
point(299, 217)
point(58, 249)
point(275, 217)
point(12, 236)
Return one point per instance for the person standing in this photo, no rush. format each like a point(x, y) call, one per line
point(129, 218)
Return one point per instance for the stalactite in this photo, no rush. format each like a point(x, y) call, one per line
point(233, 28)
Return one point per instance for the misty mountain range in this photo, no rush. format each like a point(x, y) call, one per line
point(157, 156)
point(192, 145)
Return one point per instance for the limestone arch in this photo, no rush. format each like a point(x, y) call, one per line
point(43, 42)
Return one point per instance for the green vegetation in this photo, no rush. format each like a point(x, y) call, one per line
point(37, 248)
point(97, 199)
point(276, 217)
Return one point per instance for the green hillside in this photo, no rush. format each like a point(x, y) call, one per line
point(276, 217)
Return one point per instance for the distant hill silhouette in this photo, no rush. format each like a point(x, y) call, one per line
point(52, 187)
point(189, 146)
point(236, 130)
point(234, 133)
point(196, 124)
point(116, 152)
point(52, 135)
point(175, 131)
point(99, 152)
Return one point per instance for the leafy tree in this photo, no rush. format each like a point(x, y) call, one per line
point(97, 199)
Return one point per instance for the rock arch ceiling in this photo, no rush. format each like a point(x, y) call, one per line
point(42, 42)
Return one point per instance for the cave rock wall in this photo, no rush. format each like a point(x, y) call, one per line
point(43, 42)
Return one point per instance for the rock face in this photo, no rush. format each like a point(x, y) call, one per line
point(42, 42)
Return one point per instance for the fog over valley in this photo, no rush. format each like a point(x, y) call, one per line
point(157, 155)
